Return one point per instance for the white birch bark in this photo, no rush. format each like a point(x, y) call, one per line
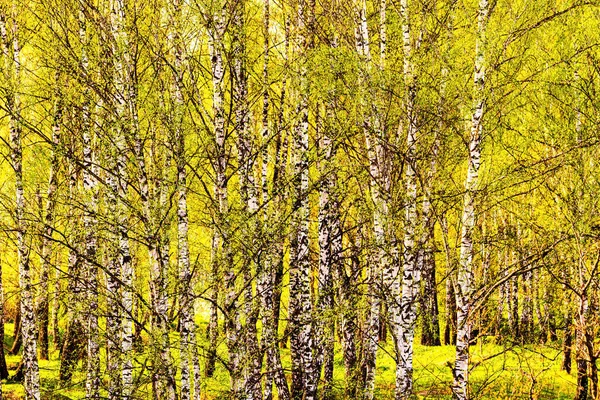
point(221, 250)
point(271, 206)
point(378, 260)
point(252, 357)
point(48, 228)
point(269, 337)
point(124, 98)
point(186, 296)
point(11, 55)
point(3, 366)
point(330, 248)
point(113, 279)
point(410, 272)
point(73, 346)
point(90, 194)
point(300, 307)
point(465, 272)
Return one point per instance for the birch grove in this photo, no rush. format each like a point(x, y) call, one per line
point(257, 199)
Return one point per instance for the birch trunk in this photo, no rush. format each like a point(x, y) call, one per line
point(581, 351)
point(465, 272)
point(526, 331)
point(3, 366)
point(269, 337)
point(90, 210)
point(300, 307)
point(450, 300)
point(73, 343)
point(46, 251)
point(28, 324)
point(568, 321)
point(330, 247)
point(248, 192)
point(221, 250)
point(430, 335)
point(273, 259)
point(513, 302)
point(186, 296)
point(378, 260)
point(411, 271)
point(113, 279)
point(348, 274)
point(125, 93)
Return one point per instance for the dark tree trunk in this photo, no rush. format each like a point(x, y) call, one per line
point(450, 329)
point(18, 376)
point(212, 333)
point(567, 345)
point(43, 320)
point(593, 368)
point(582, 380)
point(3, 367)
point(72, 350)
point(430, 334)
point(349, 320)
point(277, 298)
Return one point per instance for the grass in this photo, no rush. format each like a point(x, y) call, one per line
point(520, 372)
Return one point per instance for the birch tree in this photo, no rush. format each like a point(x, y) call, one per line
point(379, 259)
point(410, 271)
point(465, 281)
point(300, 307)
point(12, 63)
point(90, 222)
point(272, 260)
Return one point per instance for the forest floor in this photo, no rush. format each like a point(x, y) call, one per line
point(518, 372)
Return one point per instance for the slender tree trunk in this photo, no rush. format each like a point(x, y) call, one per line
point(90, 186)
point(526, 322)
point(348, 298)
point(46, 251)
point(568, 322)
point(56, 340)
point(125, 109)
point(465, 279)
point(411, 270)
point(430, 332)
point(74, 344)
point(330, 247)
point(221, 241)
point(3, 366)
point(114, 290)
point(186, 300)
point(273, 259)
point(378, 261)
point(212, 332)
point(268, 339)
point(567, 343)
point(593, 366)
point(28, 323)
point(450, 299)
point(249, 196)
point(304, 385)
point(514, 306)
point(581, 353)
